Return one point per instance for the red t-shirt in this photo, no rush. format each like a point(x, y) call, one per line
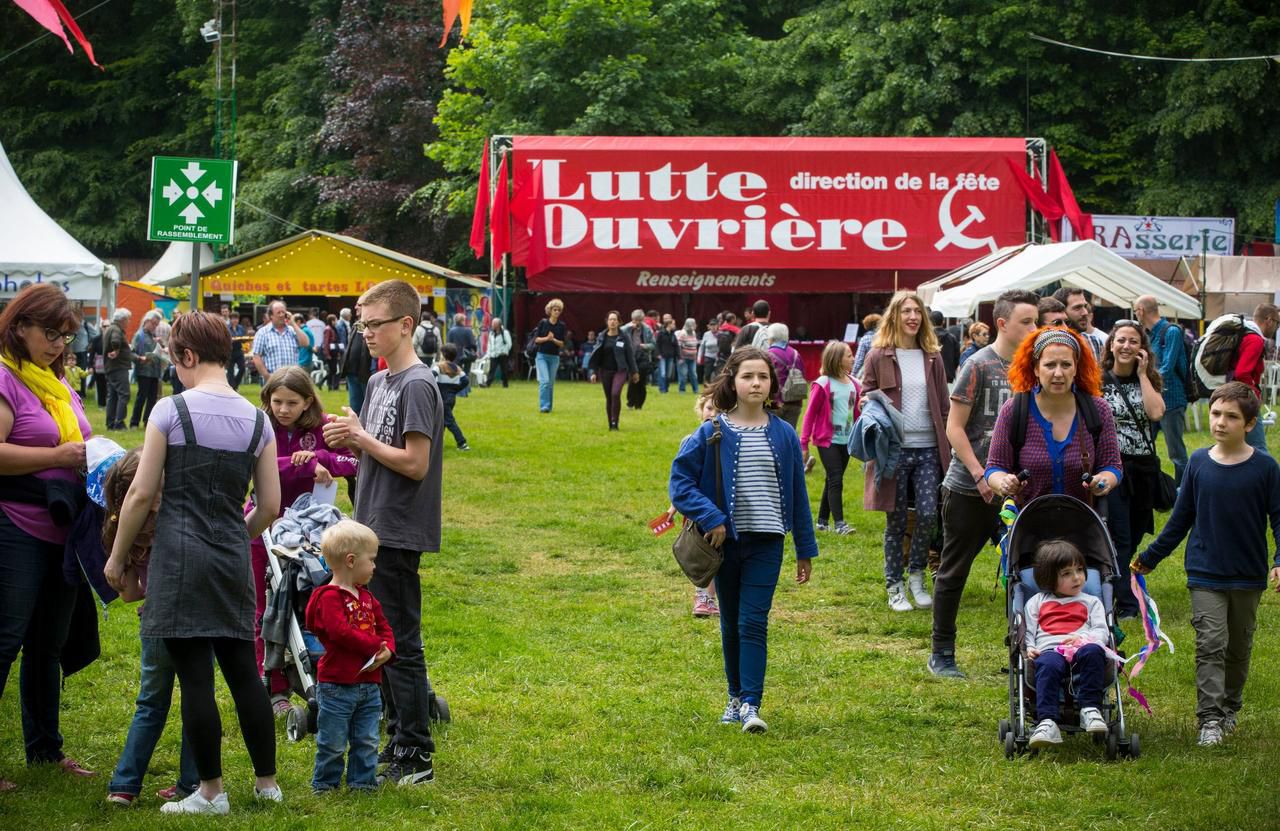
point(352, 630)
point(1250, 362)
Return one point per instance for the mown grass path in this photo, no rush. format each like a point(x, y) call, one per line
point(584, 694)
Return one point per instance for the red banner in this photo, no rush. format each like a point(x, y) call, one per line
point(784, 214)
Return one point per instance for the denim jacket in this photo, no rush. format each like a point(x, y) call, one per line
point(693, 486)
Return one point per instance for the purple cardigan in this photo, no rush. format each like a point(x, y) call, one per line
point(1034, 456)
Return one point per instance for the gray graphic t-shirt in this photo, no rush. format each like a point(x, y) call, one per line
point(403, 513)
point(983, 384)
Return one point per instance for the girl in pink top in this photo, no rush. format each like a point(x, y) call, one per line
point(293, 406)
point(833, 408)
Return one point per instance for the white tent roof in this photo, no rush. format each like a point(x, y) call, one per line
point(34, 248)
point(1084, 264)
point(175, 263)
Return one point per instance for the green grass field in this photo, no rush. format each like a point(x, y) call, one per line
point(584, 695)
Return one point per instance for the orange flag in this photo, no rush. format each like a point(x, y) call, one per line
point(453, 9)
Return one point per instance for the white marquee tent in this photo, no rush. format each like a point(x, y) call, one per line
point(34, 248)
point(1084, 264)
point(175, 265)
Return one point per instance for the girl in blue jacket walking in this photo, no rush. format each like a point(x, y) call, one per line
point(761, 497)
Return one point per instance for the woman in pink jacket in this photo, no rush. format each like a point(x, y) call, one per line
point(833, 408)
point(293, 405)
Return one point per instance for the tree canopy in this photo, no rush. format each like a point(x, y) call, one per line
point(350, 118)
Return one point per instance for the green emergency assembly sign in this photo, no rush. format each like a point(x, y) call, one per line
point(192, 200)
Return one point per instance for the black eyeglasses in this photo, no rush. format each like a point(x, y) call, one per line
point(361, 325)
point(54, 335)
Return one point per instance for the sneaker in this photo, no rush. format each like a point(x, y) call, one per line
point(464, 447)
point(822, 526)
point(711, 604)
point(197, 804)
point(919, 592)
point(843, 528)
point(268, 794)
point(943, 665)
point(410, 767)
point(387, 755)
point(1046, 734)
point(73, 767)
point(170, 793)
point(702, 604)
point(1091, 720)
point(751, 721)
point(280, 705)
point(1228, 723)
point(732, 712)
point(898, 598)
point(1210, 734)
point(124, 800)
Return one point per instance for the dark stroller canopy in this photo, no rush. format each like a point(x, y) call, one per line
point(1061, 517)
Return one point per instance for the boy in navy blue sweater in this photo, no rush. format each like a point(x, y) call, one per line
point(1229, 492)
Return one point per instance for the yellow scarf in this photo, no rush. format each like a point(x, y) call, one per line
point(53, 394)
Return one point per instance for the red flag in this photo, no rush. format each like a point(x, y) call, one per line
point(1060, 190)
point(537, 232)
point(1043, 203)
point(482, 206)
point(500, 216)
point(52, 15)
point(453, 9)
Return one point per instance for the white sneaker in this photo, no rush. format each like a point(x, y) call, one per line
point(1046, 734)
point(751, 721)
point(1091, 720)
point(268, 794)
point(898, 598)
point(1210, 734)
point(919, 592)
point(197, 804)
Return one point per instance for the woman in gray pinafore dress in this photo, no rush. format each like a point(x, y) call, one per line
point(200, 583)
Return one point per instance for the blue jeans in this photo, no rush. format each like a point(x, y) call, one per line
point(35, 618)
point(355, 393)
point(745, 586)
point(1173, 425)
point(665, 365)
point(349, 715)
point(1257, 437)
point(155, 693)
point(687, 370)
point(547, 365)
point(1087, 674)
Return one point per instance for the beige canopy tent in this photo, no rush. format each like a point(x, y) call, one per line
point(1084, 264)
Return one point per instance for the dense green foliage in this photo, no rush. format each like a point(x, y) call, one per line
point(338, 99)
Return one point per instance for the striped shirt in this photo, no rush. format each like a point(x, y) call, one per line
point(757, 506)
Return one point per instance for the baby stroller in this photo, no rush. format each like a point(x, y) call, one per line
point(292, 574)
point(1050, 517)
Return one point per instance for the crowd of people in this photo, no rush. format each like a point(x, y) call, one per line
point(953, 424)
point(948, 428)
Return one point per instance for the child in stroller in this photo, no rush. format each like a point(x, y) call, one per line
point(1065, 633)
point(1062, 519)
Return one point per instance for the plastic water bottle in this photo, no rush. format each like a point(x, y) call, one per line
point(100, 454)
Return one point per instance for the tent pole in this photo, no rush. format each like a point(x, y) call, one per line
point(195, 276)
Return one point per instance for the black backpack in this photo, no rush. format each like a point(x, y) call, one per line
point(724, 343)
point(430, 340)
point(1022, 414)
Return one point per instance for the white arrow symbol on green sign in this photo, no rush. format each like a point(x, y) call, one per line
point(172, 192)
point(193, 171)
point(191, 213)
point(212, 193)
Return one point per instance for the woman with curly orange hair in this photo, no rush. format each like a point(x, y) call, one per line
point(1055, 367)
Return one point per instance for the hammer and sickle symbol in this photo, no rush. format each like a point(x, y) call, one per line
point(953, 232)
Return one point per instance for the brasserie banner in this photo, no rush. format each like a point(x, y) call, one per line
point(1164, 237)
point(728, 214)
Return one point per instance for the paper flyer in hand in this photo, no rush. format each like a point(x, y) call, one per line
point(661, 524)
